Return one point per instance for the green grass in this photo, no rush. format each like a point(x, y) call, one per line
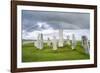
point(32, 54)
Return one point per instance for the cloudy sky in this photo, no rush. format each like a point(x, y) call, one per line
point(34, 22)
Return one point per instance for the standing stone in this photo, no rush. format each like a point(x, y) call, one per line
point(54, 43)
point(68, 40)
point(35, 43)
point(73, 42)
point(85, 44)
point(61, 40)
point(49, 42)
point(89, 43)
point(39, 42)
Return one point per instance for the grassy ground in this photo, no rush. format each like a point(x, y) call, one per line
point(32, 54)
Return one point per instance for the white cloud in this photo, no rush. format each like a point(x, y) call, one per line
point(50, 33)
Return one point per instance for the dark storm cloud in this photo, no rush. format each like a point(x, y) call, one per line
point(55, 20)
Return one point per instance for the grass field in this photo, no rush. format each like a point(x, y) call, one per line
point(32, 54)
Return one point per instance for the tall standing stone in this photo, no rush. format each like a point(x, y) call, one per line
point(61, 40)
point(54, 43)
point(85, 44)
point(39, 42)
point(89, 43)
point(36, 43)
point(49, 42)
point(68, 40)
point(73, 41)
